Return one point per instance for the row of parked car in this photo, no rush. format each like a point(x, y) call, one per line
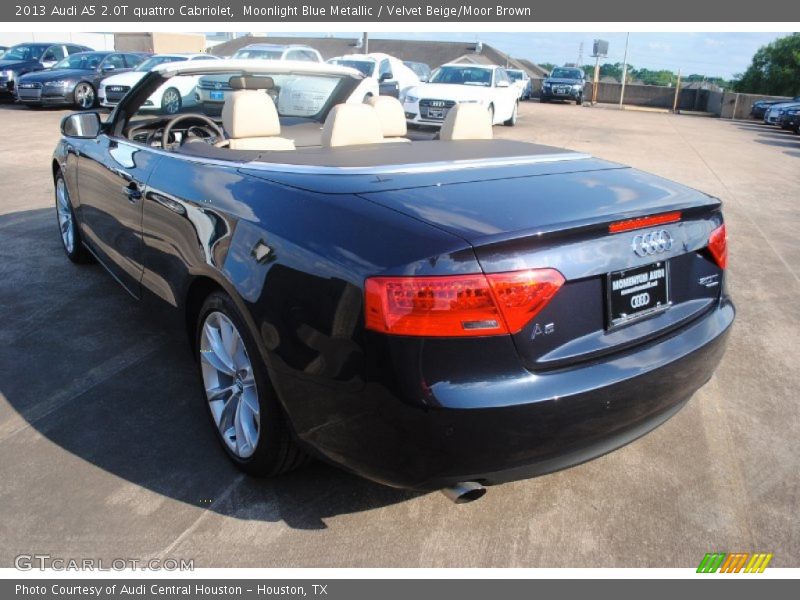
point(37, 74)
point(785, 114)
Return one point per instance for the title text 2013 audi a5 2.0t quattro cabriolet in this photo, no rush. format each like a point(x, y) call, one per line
point(441, 314)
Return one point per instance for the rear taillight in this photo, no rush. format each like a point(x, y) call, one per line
point(458, 305)
point(718, 246)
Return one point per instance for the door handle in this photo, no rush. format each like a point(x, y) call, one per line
point(132, 191)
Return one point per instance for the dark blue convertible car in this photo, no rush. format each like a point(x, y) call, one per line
point(442, 314)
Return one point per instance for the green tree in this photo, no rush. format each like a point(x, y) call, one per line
point(775, 69)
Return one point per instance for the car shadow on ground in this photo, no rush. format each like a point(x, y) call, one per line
point(123, 394)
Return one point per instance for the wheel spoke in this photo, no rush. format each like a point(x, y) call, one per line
point(219, 392)
point(223, 360)
point(250, 399)
point(228, 414)
point(229, 340)
point(211, 357)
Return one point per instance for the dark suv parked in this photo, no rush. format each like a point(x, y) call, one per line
point(25, 58)
point(564, 83)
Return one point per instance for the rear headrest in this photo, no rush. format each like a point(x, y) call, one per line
point(467, 122)
point(250, 113)
point(249, 82)
point(350, 125)
point(390, 114)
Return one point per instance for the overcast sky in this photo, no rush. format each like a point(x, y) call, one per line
point(712, 54)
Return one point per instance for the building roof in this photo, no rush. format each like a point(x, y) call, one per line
point(431, 53)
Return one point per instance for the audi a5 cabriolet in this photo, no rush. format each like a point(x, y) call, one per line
point(442, 314)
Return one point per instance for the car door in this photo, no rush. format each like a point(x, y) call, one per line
point(505, 93)
point(387, 84)
point(110, 65)
point(52, 55)
point(113, 175)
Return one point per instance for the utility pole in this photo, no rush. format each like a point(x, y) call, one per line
point(579, 64)
point(365, 43)
point(624, 70)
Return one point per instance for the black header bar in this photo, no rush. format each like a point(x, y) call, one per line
point(443, 11)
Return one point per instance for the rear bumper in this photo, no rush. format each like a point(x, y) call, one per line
point(502, 422)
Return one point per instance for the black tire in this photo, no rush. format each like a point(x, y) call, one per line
point(579, 100)
point(513, 120)
point(276, 451)
point(78, 252)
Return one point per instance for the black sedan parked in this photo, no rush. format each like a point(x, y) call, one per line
point(74, 80)
point(26, 58)
point(789, 116)
point(564, 83)
point(428, 314)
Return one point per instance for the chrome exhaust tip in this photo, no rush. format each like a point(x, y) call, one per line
point(464, 491)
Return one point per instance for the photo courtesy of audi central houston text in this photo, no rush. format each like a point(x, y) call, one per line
point(445, 313)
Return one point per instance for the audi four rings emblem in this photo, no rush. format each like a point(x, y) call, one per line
point(653, 242)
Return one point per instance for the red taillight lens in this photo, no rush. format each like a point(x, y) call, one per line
point(458, 305)
point(718, 246)
point(642, 222)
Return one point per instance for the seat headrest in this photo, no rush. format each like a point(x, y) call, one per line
point(250, 113)
point(350, 125)
point(390, 114)
point(467, 122)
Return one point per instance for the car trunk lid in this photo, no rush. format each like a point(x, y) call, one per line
point(563, 220)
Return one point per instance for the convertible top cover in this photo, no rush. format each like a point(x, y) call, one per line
point(385, 155)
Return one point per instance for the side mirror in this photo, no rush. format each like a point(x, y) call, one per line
point(502, 84)
point(48, 64)
point(386, 76)
point(108, 68)
point(81, 125)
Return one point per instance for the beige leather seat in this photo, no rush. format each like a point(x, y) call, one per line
point(251, 122)
point(351, 125)
point(467, 122)
point(391, 116)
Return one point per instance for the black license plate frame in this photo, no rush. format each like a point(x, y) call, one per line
point(636, 293)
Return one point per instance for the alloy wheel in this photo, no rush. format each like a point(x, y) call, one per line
point(230, 385)
point(171, 101)
point(84, 95)
point(66, 223)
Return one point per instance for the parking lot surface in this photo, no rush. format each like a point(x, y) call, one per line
point(106, 450)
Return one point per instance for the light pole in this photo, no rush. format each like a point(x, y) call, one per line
point(624, 69)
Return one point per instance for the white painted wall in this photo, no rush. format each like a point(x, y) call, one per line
point(96, 41)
